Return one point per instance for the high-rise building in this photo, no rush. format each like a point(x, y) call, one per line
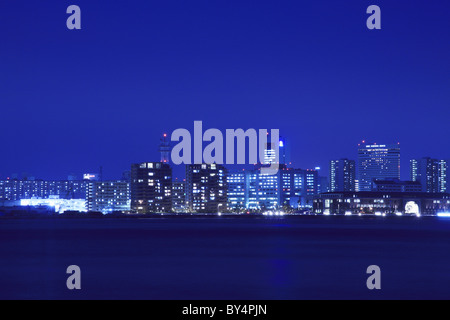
point(444, 175)
point(251, 189)
point(108, 196)
point(377, 161)
point(431, 173)
point(293, 191)
point(179, 196)
point(269, 190)
point(164, 149)
point(342, 175)
point(236, 183)
point(151, 188)
point(206, 188)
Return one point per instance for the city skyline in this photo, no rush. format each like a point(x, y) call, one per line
point(405, 170)
point(219, 157)
point(95, 97)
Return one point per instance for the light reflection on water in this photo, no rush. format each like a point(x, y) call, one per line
point(225, 258)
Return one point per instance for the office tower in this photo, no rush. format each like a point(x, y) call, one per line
point(268, 194)
point(251, 189)
point(342, 175)
point(290, 187)
point(164, 149)
point(293, 187)
point(179, 196)
point(236, 181)
point(206, 188)
point(431, 173)
point(151, 187)
point(377, 161)
point(446, 176)
point(108, 196)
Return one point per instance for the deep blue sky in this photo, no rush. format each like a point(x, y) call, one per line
point(74, 100)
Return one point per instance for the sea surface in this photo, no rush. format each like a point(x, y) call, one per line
point(226, 258)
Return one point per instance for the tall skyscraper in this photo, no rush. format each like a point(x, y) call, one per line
point(377, 161)
point(179, 196)
point(206, 188)
point(151, 187)
point(342, 175)
point(236, 190)
point(164, 149)
point(431, 173)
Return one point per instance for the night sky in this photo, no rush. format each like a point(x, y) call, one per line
point(72, 100)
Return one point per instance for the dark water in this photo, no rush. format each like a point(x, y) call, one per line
point(226, 258)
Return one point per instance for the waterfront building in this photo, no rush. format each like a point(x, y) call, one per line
point(432, 174)
point(108, 196)
point(377, 161)
point(206, 188)
point(151, 188)
point(382, 203)
point(342, 175)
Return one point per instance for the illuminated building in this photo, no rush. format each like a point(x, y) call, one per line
point(108, 196)
point(206, 188)
point(377, 161)
point(342, 175)
point(236, 182)
point(151, 188)
point(14, 190)
point(179, 196)
point(164, 149)
point(251, 189)
point(382, 203)
point(431, 173)
point(56, 204)
point(269, 191)
point(294, 188)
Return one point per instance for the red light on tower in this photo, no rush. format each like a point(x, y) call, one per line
point(164, 149)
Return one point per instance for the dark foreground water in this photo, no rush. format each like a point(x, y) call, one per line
point(226, 258)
